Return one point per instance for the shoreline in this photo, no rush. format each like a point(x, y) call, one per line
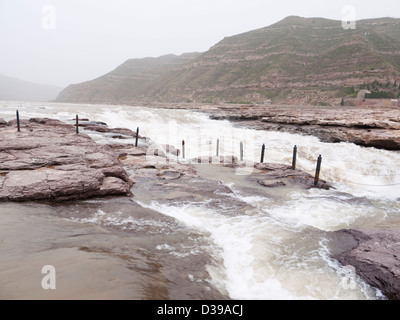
point(47, 160)
point(176, 177)
point(42, 185)
point(370, 125)
point(367, 126)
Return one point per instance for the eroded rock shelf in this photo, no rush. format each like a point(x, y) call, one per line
point(48, 161)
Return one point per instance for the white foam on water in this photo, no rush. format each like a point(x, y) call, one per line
point(349, 280)
point(324, 211)
point(262, 259)
point(360, 171)
point(276, 252)
point(181, 252)
point(116, 219)
point(354, 169)
point(231, 238)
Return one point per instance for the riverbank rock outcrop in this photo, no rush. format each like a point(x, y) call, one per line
point(375, 255)
point(366, 126)
point(47, 160)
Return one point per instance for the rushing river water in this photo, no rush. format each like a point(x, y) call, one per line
point(276, 248)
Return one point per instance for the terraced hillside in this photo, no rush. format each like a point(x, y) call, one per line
point(297, 60)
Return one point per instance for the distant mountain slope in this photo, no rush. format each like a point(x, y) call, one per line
point(129, 82)
point(298, 59)
point(13, 89)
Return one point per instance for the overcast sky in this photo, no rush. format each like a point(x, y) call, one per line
point(61, 42)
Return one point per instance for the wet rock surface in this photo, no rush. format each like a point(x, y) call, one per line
point(368, 126)
point(47, 160)
point(375, 126)
point(375, 255)
point(278, 175)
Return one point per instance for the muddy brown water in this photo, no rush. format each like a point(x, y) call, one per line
point(99, 260)
point(246, 243)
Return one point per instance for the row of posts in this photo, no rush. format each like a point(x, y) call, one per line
point(317, 171)
point(294, 159)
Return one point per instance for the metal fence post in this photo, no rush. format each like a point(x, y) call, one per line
point(318, 170)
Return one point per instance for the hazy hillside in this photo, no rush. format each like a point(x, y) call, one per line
point(308, 60)
point(129, 82)
point(18, 90)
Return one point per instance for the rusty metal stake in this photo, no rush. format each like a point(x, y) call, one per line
point(318, 170)
point(137, 137)
point(18, 123)
point(262, 153)
point(294, 158)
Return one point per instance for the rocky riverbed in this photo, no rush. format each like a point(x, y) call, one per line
point(375, 255)
point(375, 126)
point(47, 160)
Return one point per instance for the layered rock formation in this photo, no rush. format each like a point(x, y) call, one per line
point(130, 82)
point(377, 127)
point(295, 61)
point(375, 255)
point(277, 175)
point(47, 160)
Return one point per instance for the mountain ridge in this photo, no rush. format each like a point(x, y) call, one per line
point(296, 60)
point(13, 89)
